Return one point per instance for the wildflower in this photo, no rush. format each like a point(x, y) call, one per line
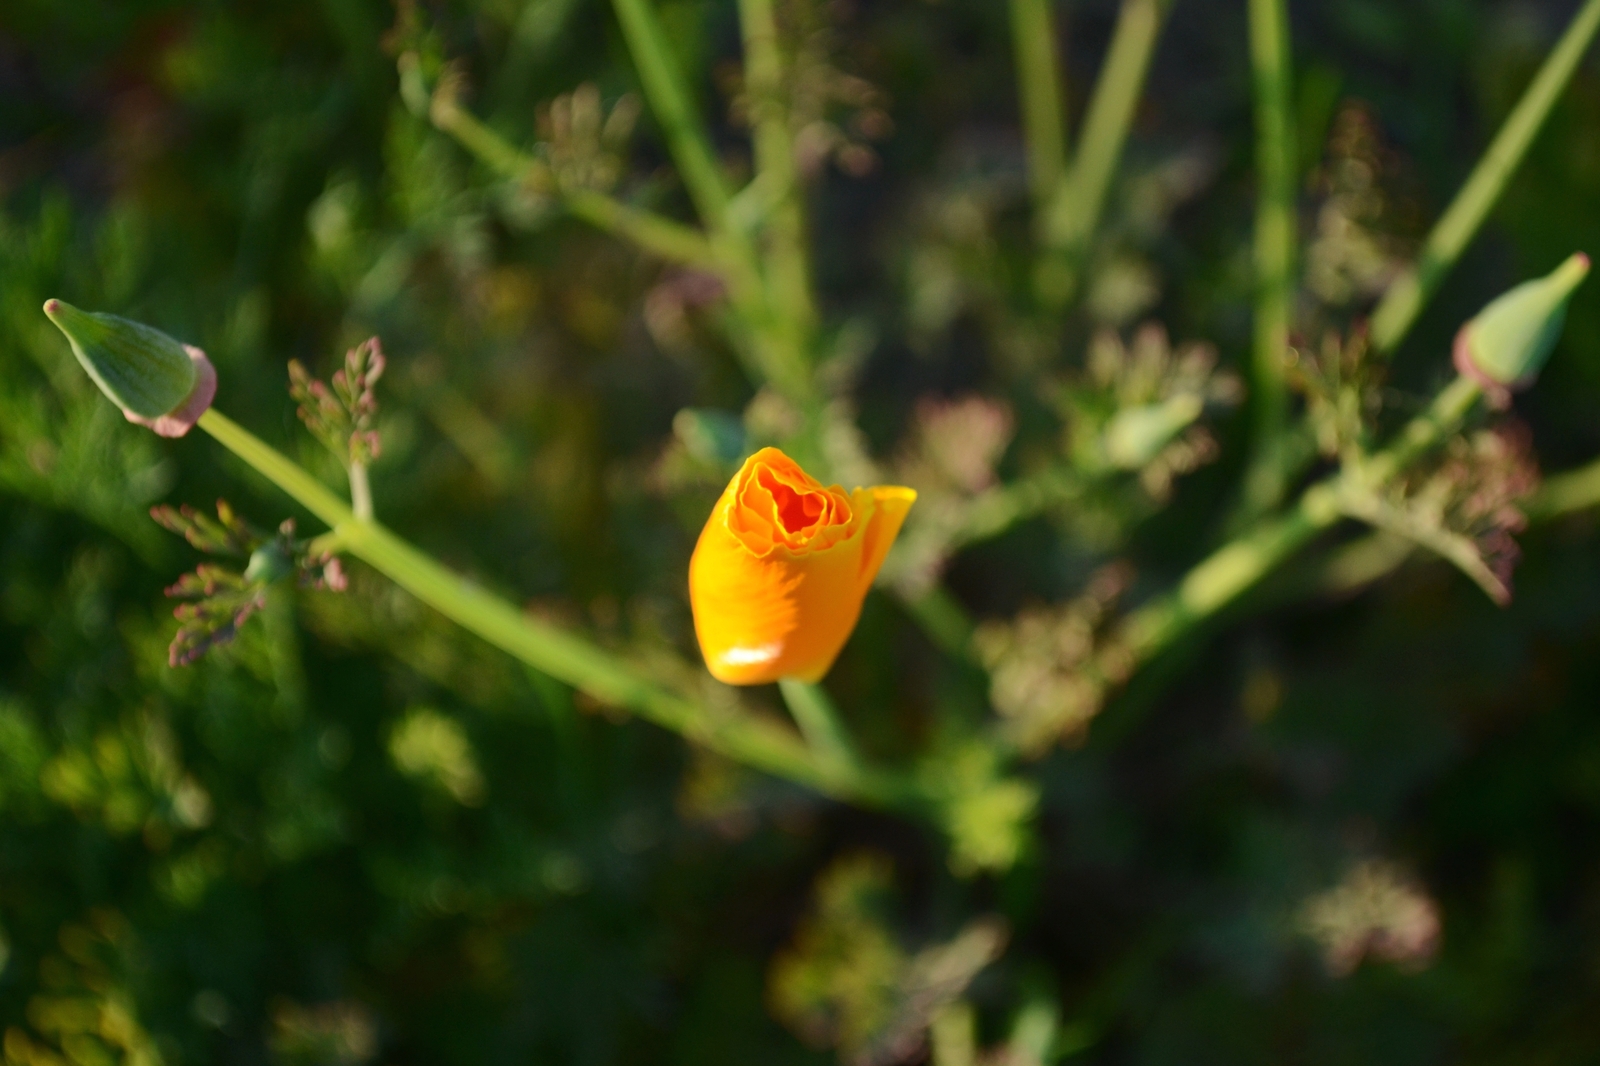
point(781, 569)
point(1506, 345)
point(157, 381)
point(1375, 911)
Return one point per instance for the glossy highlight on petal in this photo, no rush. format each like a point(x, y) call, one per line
point(782, 567)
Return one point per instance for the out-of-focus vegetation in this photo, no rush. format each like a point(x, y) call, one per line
point(1351, 818)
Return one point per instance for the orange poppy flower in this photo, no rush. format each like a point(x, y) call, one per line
point(781, 568)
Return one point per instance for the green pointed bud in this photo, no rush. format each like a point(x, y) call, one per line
point(157, 381)
point(1506, 345)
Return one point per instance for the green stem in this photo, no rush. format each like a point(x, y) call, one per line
point(1566, 493)
point(1411, 291)
point(787, 261)
point(360, 492)
point(1239, 565)
point(753, 741)
point(1423, 433)
point(1342, 569)
point(1226, 574)
point(819, 722)
point(660, 236)
point(1275, 241)
point(670, 240)
point(1367, 559)
point(1075, 213)
point(669, 99)
point(1043, 97)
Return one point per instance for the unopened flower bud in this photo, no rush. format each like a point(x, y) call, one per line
point(157, 381)
point(1506, 345)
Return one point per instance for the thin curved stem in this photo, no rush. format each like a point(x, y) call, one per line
point(669, 98)
point(1411, 291)
point(786, 255)
point(814, 712)
point(728, 258)
point(360, 492)
point(1566, 493)
point(649, 231)
point(749, 739)
point(1275, 240)
point(1242, 563)
point(1367, 559)
point(1043, 98)
point(1075, 214)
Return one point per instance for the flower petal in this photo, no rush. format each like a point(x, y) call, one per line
point(781, 568)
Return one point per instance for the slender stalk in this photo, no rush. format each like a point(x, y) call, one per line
point(1566, 493)
point(754, 741)
point(1423, 433)
point(1367, 559)
point(1043, 97)
point(1275, 241)
point(1411, 291)
point(727, 256)
point(1034, 1034)
point(786, 255)
point(1341, 570)
point(1239, 565)
point(814, 712)
point(651, 232)
point(669, 99)
point(1227, 573)
point(1075, 213)
point(360, 492)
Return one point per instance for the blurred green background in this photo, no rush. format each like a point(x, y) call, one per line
point(359, 835)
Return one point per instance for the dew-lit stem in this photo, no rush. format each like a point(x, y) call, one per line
point(1566, 493)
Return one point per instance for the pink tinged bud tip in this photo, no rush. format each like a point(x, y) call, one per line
point(178, 422)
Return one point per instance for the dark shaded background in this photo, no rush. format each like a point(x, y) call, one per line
point(231, 854)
